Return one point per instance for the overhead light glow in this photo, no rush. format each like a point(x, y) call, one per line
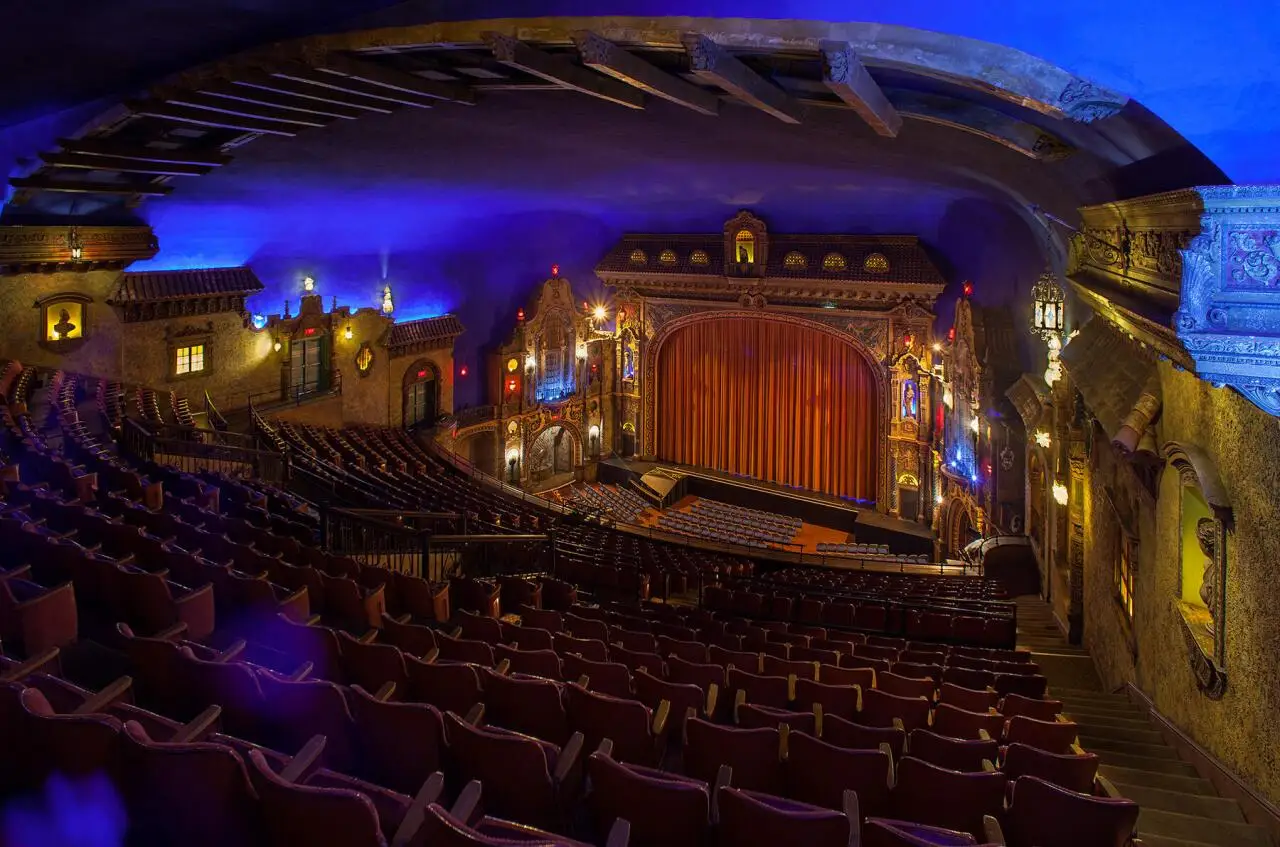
point(1042, 438)
point(599, 313)
point(1059, 494)
point(308, 284)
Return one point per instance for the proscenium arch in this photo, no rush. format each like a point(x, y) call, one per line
point(884, 403)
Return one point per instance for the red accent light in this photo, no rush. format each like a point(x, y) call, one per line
point(968, 288)
point(951, 334)
point(511, 385)
point(463, 371)
point(555, 270)
point(585, 306)
point(422, 374)
point(520, 315)
point(309, 331)
point(909, 340)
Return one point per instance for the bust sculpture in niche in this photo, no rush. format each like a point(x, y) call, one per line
point(1206, 534)
point(64, 327)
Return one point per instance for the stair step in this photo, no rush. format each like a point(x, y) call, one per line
point(1164, 781)
point(1103, 696)
point(1193, 828)
point(1144, 763)
point(1089, 723)
point(1102, 746)
point(1098, 706)
point(1199, 805)
point(1132, 735)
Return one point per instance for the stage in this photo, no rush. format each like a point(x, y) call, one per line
point(863, 525)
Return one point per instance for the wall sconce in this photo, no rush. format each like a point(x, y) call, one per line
point(1042, 438)
point(276, 346)
point(937, 347)
point(947, 398)
point(594, 432)
point(530, 362)
point(74, 245)
point(308, 284)
point(940, 499)
point(582, 352)
point(346, 333)
point(1060, 494)
point(973, 425)
point(259, 321)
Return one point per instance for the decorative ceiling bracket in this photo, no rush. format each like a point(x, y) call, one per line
point(1228, 318)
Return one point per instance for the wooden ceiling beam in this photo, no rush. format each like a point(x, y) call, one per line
point(81, 161)
point(307, 91)
point(317, 78)
point(397, 80)
point(80, 186)
point(98, 147)
point(516, 54)
point(281, 100)
point(245, 109)
point(201, 117)
point(845, 75)
point(710, 62)
point(606, 57)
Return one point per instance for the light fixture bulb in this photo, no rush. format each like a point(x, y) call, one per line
point(276, 346)
point(346, 333)
point(308, 284)
point(1060, 494)
point(530, 362)
point(594, 431)
point(387, 305)
point(973, 425)
point(947, 398)
point(940, 499)
point(1042, 438)
point(937, 348)
point(599, 313)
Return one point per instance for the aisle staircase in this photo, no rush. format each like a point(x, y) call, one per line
point(1179, 807)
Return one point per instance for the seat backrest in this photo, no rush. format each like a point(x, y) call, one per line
point(1042, 814)
point(478, 627)
point(691, 673)
point(300, 814)
point(530, 705)
point(628, 723)
point(1031, 686)
point(1051, 736)
point(880, 708)
point(588, 648)
point(586, 628)
point(936, 796)
point(969, 699)
point(967, 677)
point(952, 753)
point(464, 650)
point(772, 691)
point(444, 830)
point(665, 810)
point(961, 723)
point(543, 663)
point(1075, 772)
point(610, 678)
point(1042, 710)
point(296, 711)
point(752, 753)
point(819, 773)
point(541, 619)
point(514, 769)
point(835, 675)
point(904, 686)
point(839, 700)
point(753, 819)
point(411, 638)
point(741, 659)
point(400, 744)
point(879, 832)
point(371, 665)
point(750, 716)
point(197, 794)
point(773, 666)
point(652, 690)
point(690, 651)
point(449, 686)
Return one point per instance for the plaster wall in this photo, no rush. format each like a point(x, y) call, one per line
point(1240, 729)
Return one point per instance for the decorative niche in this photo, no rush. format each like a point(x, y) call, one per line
point(1205, 518)
point(364, 359)
point(64, 321)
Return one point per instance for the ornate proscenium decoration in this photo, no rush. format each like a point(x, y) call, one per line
point(1228, 317)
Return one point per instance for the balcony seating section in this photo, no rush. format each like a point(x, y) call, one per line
point(306, 698)
point(623, 505)
point(716, 521)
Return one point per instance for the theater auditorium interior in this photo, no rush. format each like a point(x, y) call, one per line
point(667, 424)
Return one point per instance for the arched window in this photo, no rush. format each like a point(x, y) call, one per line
point(833, 262)
point(744, 247)
point(794, 260)
point(421, 394)
point(876, 263)
point(699, 257)
point(667, 257)
point(638, 257)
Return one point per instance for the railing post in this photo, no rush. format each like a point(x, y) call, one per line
point(424, 565)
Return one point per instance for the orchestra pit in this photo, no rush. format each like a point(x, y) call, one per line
point(709, 425)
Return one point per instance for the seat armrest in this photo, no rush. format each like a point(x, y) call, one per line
point(456, 632)
point(569, 756)
point(468, 802)
point(304, 670)
point(892, 778)
point(104, 698)
point(368, 637)
point(988, 766)
point(1108, 789)
point(416, 814)
point(431, 655)
point(991, 831)
point(983, 735)
point(849, 805)
point(22, 572)
point(504, 667)
point(724, 777)
point(384, 693)
point(173, 633)
point(36, 664)
point(475, 714)
point(619, 833)
point(739, 698)
point(231, 653)
point(308, 756)
point(713, 694)
point(584, 681)
point(660, 716)
point(198, 727)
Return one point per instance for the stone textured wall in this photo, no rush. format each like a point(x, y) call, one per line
point(22, 329)
point(1240, 729)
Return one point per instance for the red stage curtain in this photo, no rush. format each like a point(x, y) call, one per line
point(770, 400)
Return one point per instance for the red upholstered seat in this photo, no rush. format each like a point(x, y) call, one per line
point(818, 772)
point(753, 819)
point(665, 809)
point(1042, 814)
point(1073, 771)
point(952, 753)
point(753, 754)
point(937, 796)
point(1050, 736)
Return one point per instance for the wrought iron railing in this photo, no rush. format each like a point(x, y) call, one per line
point(187, 449)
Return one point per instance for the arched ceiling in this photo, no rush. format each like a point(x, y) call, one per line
point(359, 155)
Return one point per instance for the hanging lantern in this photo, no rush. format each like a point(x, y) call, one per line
point(74, 245)
point(388, 305)
point(1049, 317)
